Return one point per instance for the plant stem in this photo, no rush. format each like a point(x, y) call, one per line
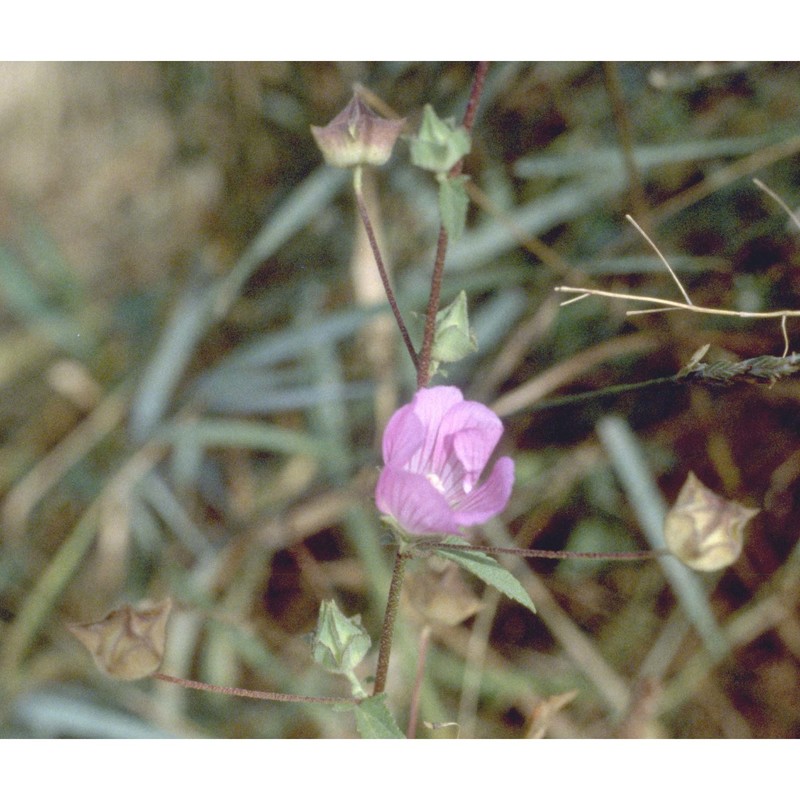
point(481, 70)
point(392, 604)
point(251, 693)
point(600, 394)
point(422, 657)
point(387, 286)
point(424, 365)
point(561, 555)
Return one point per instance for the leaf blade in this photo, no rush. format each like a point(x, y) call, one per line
point(483, 566)
point(375, 721)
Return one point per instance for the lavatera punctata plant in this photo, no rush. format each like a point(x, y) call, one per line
point(435, 450)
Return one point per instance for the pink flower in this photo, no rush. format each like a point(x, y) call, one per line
point(434, 450)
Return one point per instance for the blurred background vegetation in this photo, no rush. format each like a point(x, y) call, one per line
point(196, 366)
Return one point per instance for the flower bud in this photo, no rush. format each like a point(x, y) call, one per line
point(440, 144)
point(357, 135)
point(339, 642)
point(129, 643)
point(705, 531)
point(453, 339)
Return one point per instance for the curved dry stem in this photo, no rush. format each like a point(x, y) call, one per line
point(672, 304)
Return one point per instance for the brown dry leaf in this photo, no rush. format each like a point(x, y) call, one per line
point(705, 531)
point(129, 643)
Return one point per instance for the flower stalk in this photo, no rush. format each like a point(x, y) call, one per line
point(559, 555)
point(387, 633)
point(387, 286)
point(252, 694)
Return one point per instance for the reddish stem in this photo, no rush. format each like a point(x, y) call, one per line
point(250, 693)
point(424, 364)
point(392, 604)
point(561, 555)
point(387, 286)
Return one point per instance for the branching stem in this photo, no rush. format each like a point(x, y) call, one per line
point(560, 555)
point(668, 305)
point(253, 694)
point(424, 365)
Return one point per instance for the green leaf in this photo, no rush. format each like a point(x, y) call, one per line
point(488, 570)
point(453, 204)
point(375, 721)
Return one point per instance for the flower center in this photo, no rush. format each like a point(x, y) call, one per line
point(435, 481)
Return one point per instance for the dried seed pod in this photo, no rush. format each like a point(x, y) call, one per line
point(129, 643)
point(704, 530)
point(357, 135)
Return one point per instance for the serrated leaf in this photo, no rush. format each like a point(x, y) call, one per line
point(375, 721)
point(453, 204)
point(483, 566)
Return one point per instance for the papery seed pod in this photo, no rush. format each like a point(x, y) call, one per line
point(357, 135)
point(129, 643)
point(705, 531)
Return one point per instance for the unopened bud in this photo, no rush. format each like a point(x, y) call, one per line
point(357, 135)
point(453, 339)
point(339, 643)
point(129, 643)
point(705, 531)
point(439, 145)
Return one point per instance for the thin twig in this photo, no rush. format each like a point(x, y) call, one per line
point(674, 304)
point(559, 555)
point(779, 200)
point(600, 394)
point(253, 694)
point(387, 286)
point(661, 256)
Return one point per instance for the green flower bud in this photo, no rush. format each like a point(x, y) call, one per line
point(339, 642)
point(453, 339)
point(357, 135)
point(439, 145)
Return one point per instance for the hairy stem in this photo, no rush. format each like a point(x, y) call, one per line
point(253, 694)
point(392, 604)
point(561, 555)
point(424, 365)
